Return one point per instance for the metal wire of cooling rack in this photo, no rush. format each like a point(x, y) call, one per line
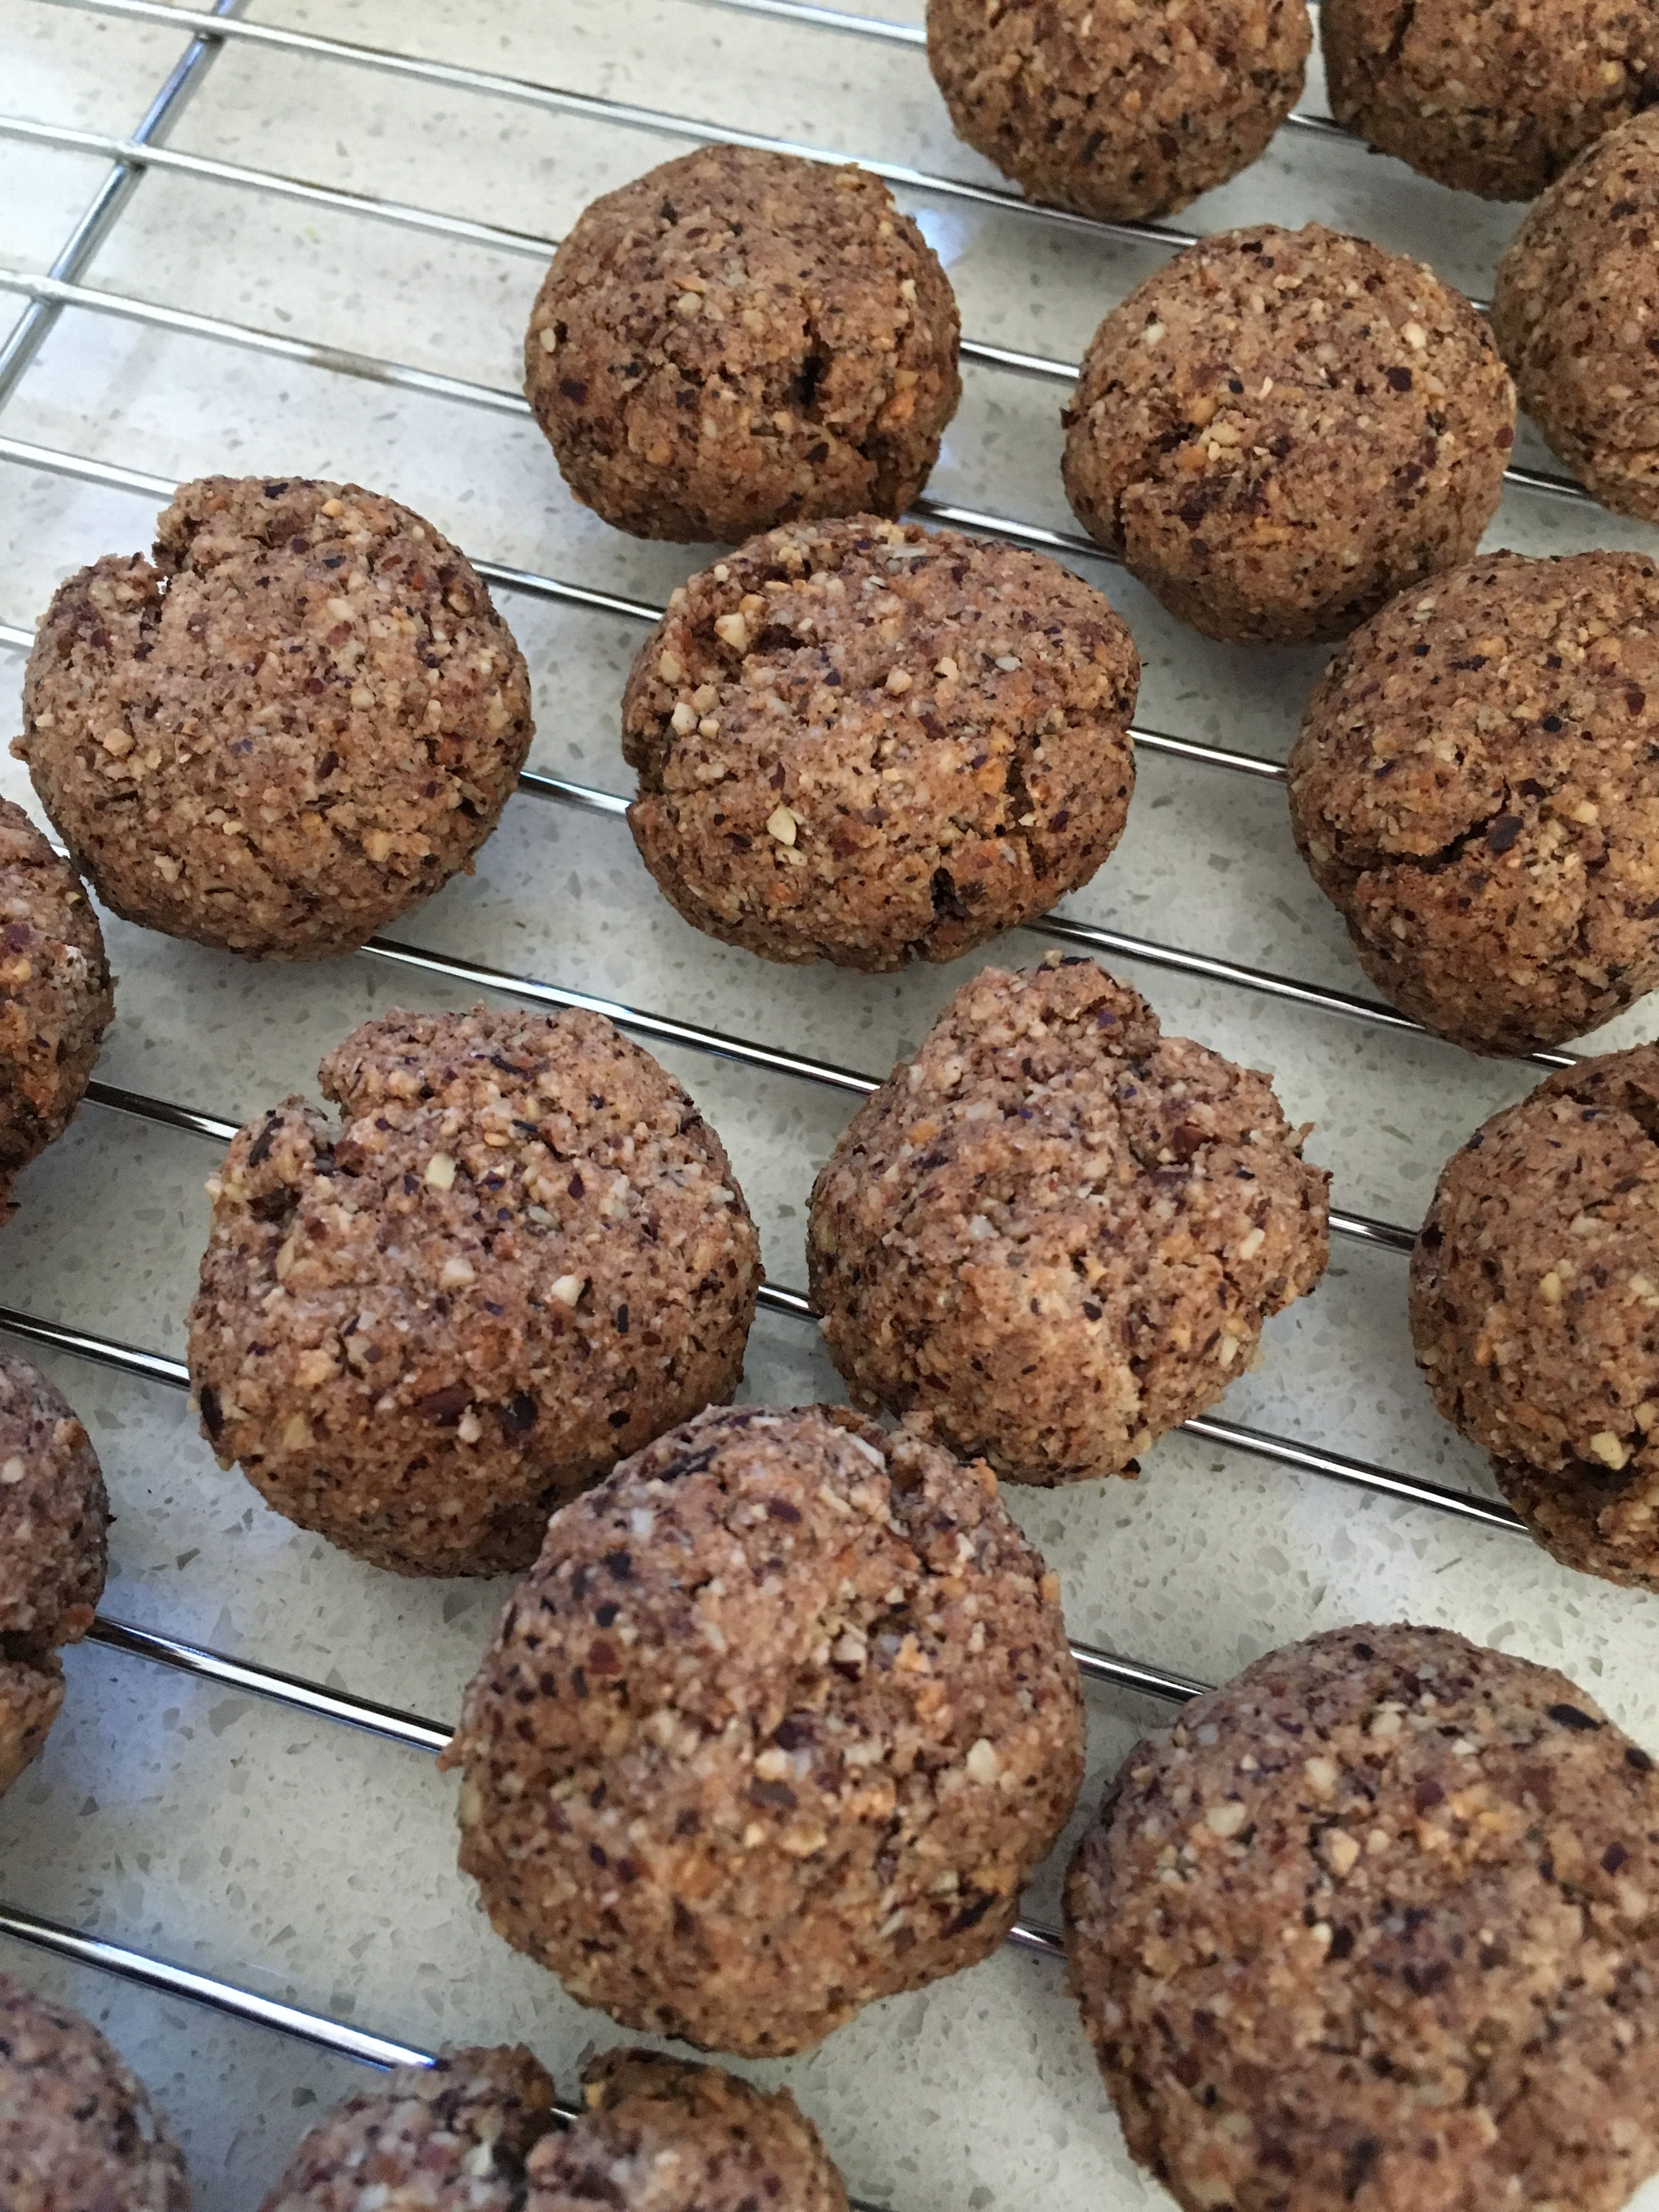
point(61, 288)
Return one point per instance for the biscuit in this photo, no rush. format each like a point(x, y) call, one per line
point(1281, 429)
point(739, 339)
point(1056, 1233)
point(859, 743)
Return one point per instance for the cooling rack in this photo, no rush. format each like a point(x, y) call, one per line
point(313, 251)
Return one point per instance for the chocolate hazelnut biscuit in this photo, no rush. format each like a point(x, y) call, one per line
point(1476, 790)
point(519, 1255)
point(778, 1723)
point(54, 1525)
point(859, 743)
point(739, 339)
point(1281, 429)
point(1492, 96)
point(453, 2136)
point(57, 996)
point(302, 715)
point(664, 2134)
point(1372, 1926)
point(77, 2132)
point(1056, 1233)
point(1118, 112)
point(1576, 314)
point(1535, 1309)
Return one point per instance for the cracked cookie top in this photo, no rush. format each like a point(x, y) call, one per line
point(1495, 98)
point(859, 743)
point(1476, 788)
point(778, 1723)
point(1534, 1308)
point(1056, 1233)
point(1576, 313)
point(1281, 429)
point(301, 716)
point(519, 1254)
point(1372, 1925)
point(737, 339)
point(1118, 112)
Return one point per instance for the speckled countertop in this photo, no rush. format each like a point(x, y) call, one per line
point(309, 1862)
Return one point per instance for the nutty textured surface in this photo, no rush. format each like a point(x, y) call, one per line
point(1372, 1927)
point(521, 1255)
point(300, 717)
point(663, 2135)
point(859, 743)
point(76, 2130)
point(1281, 429)
point(1118, 112)
point(57, 996)
point(1055, 1233)
point(1534, 1309)
point(778, 1723)
point(739, 339)
point(54, 1521)
point(1576, 314)
point(1476, 789)
point(452, 2137)
point(1494, 98)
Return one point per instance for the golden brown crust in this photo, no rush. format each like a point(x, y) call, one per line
point(301, 717)
point(1281, 429)
point(1118, 112)
point(1495, 98)
point(664, 2134)
point(78, 2133)
point(739, 339)
point(1056, 1233)
point(521, 1257)
point(450, 2137)
point(861, 743)
point(1534, 1309)
point(1476, 789)
point(1575, 314)
point(1372, 1926)
point(778, 1723)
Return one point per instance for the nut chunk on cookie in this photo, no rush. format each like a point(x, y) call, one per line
point(780, 1723)
point(520, 1254)
point(859, 743)
point(1056, 1233)
point(300, 717)
point(1372, 1926)
point(1535, 1309)
point(739, 339)
point(1281, 429)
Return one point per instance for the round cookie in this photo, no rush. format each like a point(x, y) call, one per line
point(1576, 314)
point(450, 2137)
point(1491, 96)
point(78, 2133)
point(1118, 112)
point(57, 996)
point(1056, 1233)
point(1281, 429)
point(1534, 1309)
point(1476, 790)
point(1371, 1926)
point(739, 339)
point(859, 743)
point(778, 1723)
point(664, 2134)
point(54, 1524)
point(519, 1256)
point(301, 716)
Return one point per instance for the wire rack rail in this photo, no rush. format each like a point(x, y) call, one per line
point(64, 288)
